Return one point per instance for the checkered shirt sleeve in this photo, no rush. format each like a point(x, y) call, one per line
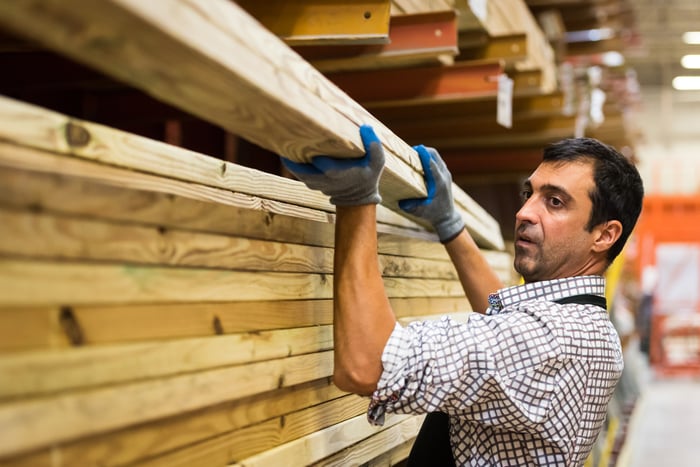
point(530, 384)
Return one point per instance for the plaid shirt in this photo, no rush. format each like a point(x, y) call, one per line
point(525, 385)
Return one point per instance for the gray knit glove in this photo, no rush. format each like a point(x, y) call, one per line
point(348, 182)
point(438, 207)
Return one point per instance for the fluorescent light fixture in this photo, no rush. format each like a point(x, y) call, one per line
point(590, 35)
point(691, 37)
point(613, 59)
point(686, 83)
point(691, 62)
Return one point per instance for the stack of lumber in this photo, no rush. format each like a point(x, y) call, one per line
point(159, 306)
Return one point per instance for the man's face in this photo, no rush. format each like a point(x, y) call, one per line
point(551, 240)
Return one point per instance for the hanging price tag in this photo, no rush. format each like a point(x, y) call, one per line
point(504, 112)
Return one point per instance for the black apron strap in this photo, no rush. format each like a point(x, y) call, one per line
point(432, 445)
point(585, 299)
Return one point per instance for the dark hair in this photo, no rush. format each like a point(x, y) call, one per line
point(618, 188)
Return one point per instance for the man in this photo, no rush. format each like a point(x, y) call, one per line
point(528, 382)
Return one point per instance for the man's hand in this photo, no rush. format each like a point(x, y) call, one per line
point(348, 182)
point(438, 207)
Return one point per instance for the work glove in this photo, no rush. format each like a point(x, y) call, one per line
point(438, 207)
point(348, 182)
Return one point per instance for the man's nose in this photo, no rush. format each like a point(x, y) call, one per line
point(527, 212)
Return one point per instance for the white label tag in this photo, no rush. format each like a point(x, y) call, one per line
point(479, 9)
point(504, 112)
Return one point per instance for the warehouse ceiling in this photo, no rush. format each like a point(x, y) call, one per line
point(657, 51)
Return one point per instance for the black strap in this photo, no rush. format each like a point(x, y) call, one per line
point(432, 445)
point(585, 299)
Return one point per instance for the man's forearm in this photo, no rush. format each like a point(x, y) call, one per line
point(476, 275)
point(363, 318)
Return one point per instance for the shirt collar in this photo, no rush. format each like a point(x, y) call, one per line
point(551, 290)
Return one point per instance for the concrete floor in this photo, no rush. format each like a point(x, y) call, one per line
point(664, 429)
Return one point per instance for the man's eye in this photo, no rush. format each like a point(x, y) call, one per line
point(525, 195)
point(556, 202)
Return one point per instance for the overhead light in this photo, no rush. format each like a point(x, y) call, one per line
point(686, 83)
point(613, 59)
point(691, 61)
point(691, 37)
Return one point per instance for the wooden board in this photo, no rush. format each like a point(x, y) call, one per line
point(33, 179)
point(32, 423)
point(36, 127)
point(86, 325)
point(227, 75)
point(387, 447)
point(66, 283)
point(35, 235)
point(153, 438)
point(44, 372)
point(323, 443)
point(267, 436)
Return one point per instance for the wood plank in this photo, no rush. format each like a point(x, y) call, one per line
point(393, 444)
point(323, 21)
point(44, 372)
point(268, 435)
point(57, 327)
point(36, 180)
point(30, 328)
point(393, 456)
point(31, 424)
point(323, 443)
point(44, 236)
point(64, 283)
point(309, 115)
point(150, 439)
point(30, 125)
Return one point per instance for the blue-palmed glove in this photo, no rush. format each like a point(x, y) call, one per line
point(348, 182)
point(438, 207)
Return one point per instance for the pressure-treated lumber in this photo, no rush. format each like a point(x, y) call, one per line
point(46, 372)
point(393, 445)
point(65, 282)
point(325, 21)
point(323, 443)
point(33, 423)
point(36, 235)
point(85, 325)
point(150, 439)
point(36, 127)
point(266, 436)
point(36, 422)
point(228, 72)
point(37, 180)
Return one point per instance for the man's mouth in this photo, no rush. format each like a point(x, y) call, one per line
point(523, 240)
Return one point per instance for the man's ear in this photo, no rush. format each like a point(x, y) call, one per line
point(606, 234)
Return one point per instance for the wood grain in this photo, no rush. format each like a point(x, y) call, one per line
point(69, 283)
point(147, 440)
point(321, 444)
point(392, 445)
point(58, 237)
point(25, 328)
point(32, 423)
point(37, 127)
point(44, 372)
